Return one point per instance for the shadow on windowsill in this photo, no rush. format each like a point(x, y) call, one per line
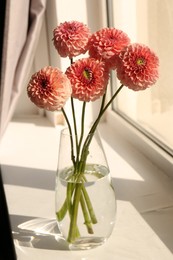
point(39, 233)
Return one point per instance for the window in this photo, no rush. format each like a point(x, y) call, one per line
point(150, 23)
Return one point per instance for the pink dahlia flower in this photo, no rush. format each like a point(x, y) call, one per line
point(71, 38)
point(138, 67)
point(106, 45)
point(89, 78)
point(49, 88)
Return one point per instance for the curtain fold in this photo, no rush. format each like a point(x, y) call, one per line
point(23, 22)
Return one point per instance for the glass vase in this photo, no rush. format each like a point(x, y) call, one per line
point(85, 199)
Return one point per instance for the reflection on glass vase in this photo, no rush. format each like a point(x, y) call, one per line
point(85, 198)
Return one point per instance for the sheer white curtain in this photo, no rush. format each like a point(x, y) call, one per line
point(23, 22)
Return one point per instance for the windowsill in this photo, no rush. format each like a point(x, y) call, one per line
point(33, 143)
point(149, 149)
point(138, 180)
point(30, 141)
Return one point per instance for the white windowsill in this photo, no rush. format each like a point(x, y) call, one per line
point(33, 143)
point(133, 137)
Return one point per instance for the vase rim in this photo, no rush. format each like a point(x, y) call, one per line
point(65, 131)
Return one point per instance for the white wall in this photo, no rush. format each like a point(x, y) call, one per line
point(90, 12)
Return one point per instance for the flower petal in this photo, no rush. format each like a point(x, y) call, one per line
point(137, 67)
point(106, 45)
point(71, 38)
point(49, 88)
point(89, 78)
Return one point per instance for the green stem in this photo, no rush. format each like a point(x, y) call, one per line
point(82, 130)
point(89, 206)
point(103, 103)
point(93, 128)
point(78, 190)
point(62, 212)
point(69, 196)
point(86, 215)
point(74, 117)
point(71, 136)
point(71, 60)
point(67, 205)
point(110, 101)
point(74, 123)
point(73, 223)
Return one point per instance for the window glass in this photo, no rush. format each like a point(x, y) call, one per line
point(151, 23)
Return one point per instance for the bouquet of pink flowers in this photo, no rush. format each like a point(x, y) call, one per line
point(86, 79)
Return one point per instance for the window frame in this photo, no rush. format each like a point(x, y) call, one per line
point(135, 135)
point(140, 141)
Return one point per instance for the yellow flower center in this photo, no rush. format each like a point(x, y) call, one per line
point(140, 61)
point(87, 73)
